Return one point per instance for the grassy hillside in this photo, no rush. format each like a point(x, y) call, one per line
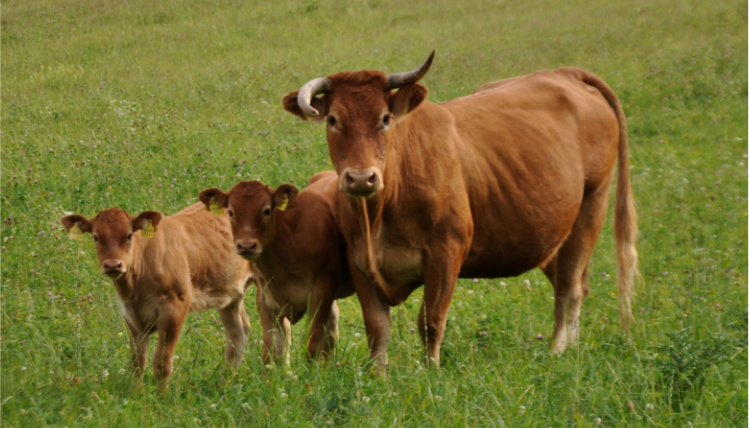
point(143, 104)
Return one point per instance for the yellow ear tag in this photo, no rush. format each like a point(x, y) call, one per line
point(76, 234)
point(215, 208)
point(149, 230)
point(282, 205)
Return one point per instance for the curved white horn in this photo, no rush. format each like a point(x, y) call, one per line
point(316, 86)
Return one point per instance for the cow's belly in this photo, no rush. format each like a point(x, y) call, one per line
point(512, 245)
point(202, 300)
point(290, 298)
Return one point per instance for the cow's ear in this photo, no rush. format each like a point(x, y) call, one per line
point(76, 224)
point(291, 105)
point(407, 98)
point(284, 195)
point(147, 219)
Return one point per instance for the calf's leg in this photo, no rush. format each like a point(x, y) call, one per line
point(138, 349)
point(233, 318)
point(276, 330)
point(169, 325)
point(332, 327)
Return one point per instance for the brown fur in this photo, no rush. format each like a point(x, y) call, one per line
point(299, 250)
point(511, 177)
point(188, 265)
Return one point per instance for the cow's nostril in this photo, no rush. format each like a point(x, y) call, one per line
point(349, 180)
point(372, 179)
point(248, 247)
point(112, 266)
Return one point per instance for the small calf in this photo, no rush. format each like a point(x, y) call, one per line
point(294, 240)
point(188, 264)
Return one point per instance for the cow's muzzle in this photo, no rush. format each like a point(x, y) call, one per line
point(249, 249)
point(360, 182)
point(113, 268)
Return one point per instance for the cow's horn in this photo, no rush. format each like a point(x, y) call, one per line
point(314, 87)
point(401, 79)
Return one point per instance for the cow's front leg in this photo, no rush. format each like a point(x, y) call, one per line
point(376, 314)
point(320, 311)
point(138, 349)
point(233, 317)
point(172, 315)
point(440, 277)
point(276, 329)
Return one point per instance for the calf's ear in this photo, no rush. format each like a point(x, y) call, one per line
point(291, 105)
point(407, 98)
point(214, 197)
point(284, 195)
point(76, 224)
point(147, 219)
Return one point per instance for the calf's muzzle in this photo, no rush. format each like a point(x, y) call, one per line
point(249, 249)
point(113, 267)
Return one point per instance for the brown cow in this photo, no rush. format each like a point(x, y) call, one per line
point(187, 265)
point(294, 240)
point(514, 176)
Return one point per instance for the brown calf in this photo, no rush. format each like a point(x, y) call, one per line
point(188, 264)
point(294, 240)
point(514, 176)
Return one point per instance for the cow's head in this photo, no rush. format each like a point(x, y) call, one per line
point(361, 109)
point(252, 208)
point(113, 231)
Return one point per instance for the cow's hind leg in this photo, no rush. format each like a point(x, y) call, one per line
point(568, 270)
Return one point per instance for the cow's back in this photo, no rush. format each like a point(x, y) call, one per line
point(529, 148)
point(325, 185)
point(196, 246)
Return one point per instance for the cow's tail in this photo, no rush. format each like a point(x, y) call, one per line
point(625, 222)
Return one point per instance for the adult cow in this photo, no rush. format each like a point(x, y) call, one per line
point(512, 177)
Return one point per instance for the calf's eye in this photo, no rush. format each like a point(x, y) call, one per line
point(231, 214)
point(96, 238)
point(129, 236)
point(267, 211)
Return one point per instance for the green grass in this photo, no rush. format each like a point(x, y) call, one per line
point(144, 104)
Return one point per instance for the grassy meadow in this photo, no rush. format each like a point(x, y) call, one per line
point(142, 105)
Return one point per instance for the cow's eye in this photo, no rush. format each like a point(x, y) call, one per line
point(96, 238)
point(231, 214)
point(331, 121)
point(386, 120)
point(266, 212)
point(129, 236)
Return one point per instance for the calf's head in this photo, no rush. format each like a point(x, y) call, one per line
point(361, 110)
point(113, 231)
point(252, 208)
